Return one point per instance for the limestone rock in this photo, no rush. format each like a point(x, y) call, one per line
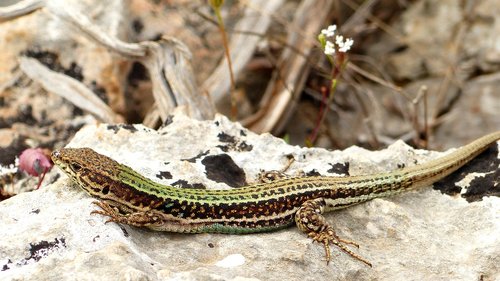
point(49, 234)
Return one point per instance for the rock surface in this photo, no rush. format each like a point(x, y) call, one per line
point(421, 235)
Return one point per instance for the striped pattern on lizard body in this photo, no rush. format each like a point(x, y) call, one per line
point(130, 198)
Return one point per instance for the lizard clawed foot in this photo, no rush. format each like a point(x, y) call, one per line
point(310, 220)
point(328, 237)
point(145, 218)
point(107, 210)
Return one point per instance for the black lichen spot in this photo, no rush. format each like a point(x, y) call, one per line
point(401, 165)
point(224, 148)
point(115, 128)
point(42, 249)
point(223, 137)
point(6, 265)
point(169, 120)
point(488, 185)
point(313, 173)
point(201, 154)
point(129, 127)
point(243, 146)
point(164, 175)
point(232, 143)
point(216, 123)
point(339, 168)
point(243, 133)
point(55, 178)
point(35, 211)
point(211, 245)
point(221, 168)
point(185, 184)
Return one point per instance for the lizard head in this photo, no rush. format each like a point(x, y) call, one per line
point(90, 170)
point(106, 179)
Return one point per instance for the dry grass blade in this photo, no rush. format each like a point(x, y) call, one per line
point(68, 88)
point(242, 46)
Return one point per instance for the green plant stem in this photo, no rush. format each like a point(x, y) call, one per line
point(234, 110)
point(337, 69)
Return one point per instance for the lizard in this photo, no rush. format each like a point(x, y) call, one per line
point(127, 197)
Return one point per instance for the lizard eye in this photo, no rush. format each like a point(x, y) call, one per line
point(75, 167)
point(56, 154)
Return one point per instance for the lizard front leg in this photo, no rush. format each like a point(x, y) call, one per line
point(144, 218)
point(310, 220)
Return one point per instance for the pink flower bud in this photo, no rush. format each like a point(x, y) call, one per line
point(35, 162)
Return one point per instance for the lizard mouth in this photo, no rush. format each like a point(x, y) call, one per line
point(56, 158)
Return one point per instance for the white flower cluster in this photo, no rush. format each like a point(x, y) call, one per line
point(329, 31)
point(340, 44)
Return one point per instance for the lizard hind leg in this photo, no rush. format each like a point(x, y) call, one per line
point(310, 220)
